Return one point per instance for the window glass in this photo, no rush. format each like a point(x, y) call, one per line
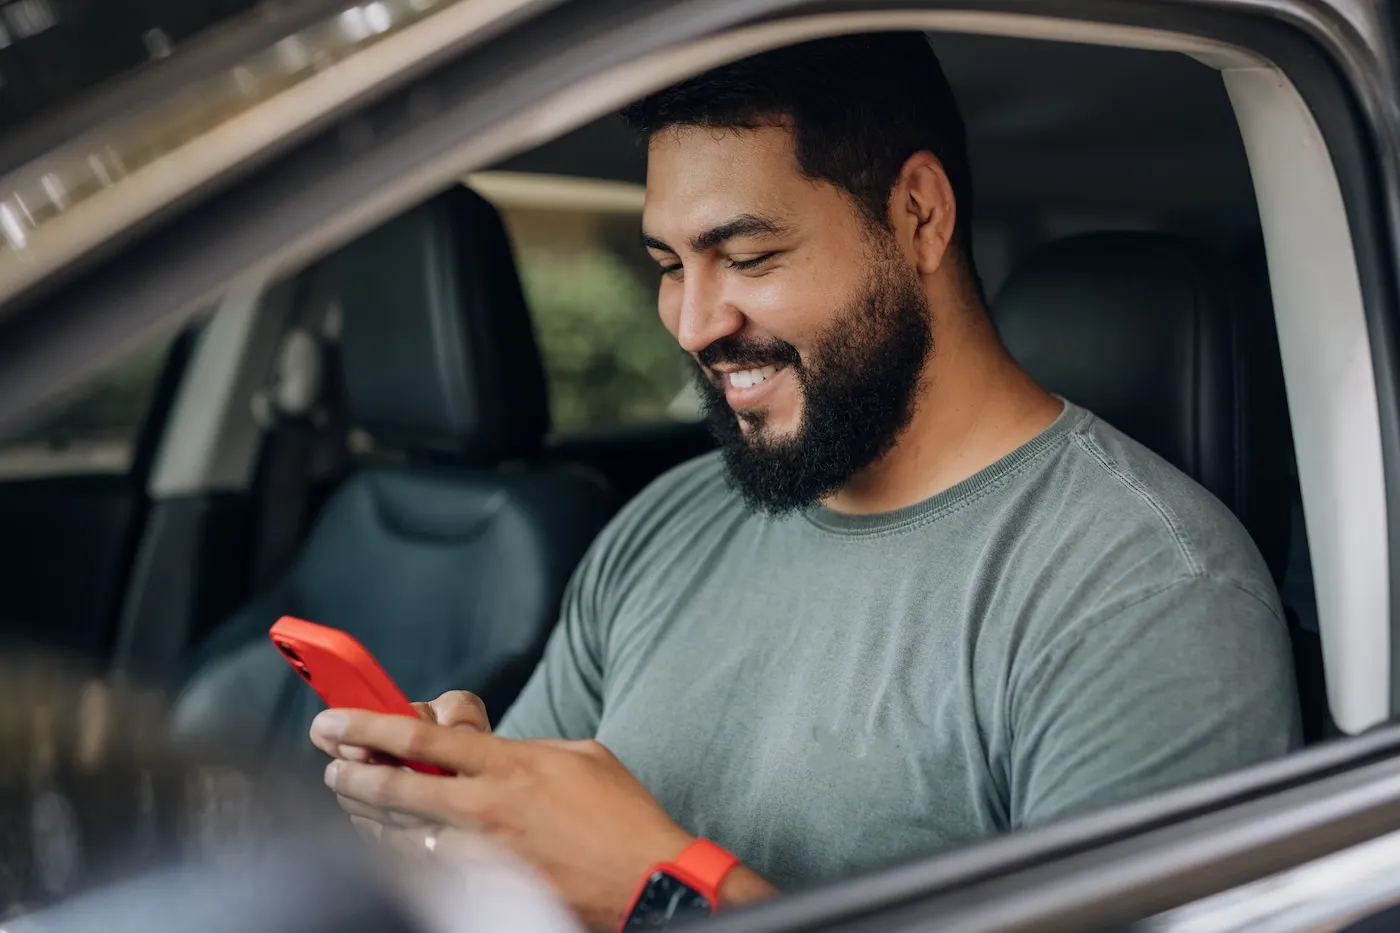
point(93, 429)
point(591, 289)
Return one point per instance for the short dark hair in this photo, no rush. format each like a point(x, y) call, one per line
point(859, 106)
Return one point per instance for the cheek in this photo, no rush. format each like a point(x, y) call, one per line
point(791, 306)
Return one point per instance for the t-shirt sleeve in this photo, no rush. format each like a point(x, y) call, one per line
point(1191, 681)
point(563, 698)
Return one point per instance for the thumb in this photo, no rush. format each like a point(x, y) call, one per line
point(460, 709)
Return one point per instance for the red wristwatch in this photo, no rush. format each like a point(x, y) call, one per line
point(683, 889)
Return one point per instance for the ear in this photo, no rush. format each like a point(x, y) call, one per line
point(924, 211)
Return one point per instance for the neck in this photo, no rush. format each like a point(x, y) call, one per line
point(974, 405)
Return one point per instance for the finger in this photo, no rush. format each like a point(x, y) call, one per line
point(458, 708)
point(368, 829)
point(432, 799)
point(412, 843)
point(337, 750)
point(359, 810)
point(563, 745)
point(323, 742)
point(460, 751)
point(424, 710)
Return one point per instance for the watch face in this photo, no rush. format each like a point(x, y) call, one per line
point(664, 901)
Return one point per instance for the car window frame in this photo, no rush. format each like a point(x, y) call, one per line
point(1124, 864)
point(1320, 50)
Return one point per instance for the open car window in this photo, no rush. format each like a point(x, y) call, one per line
point(1239, 145)
point(96, 428)
point(590, 288)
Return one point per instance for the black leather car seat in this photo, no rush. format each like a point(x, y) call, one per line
point(1159, 338)
point(448, 560)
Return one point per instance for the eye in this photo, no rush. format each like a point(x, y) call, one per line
point(744, 265)
point(671, 269)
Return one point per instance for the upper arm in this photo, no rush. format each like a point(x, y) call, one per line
point(563, 698)
point(1191, 681)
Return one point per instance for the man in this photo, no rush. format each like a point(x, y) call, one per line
point(915, 601)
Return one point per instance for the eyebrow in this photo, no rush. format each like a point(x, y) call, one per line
point(743, 225)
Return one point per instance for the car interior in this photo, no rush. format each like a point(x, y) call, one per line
point(368, 443)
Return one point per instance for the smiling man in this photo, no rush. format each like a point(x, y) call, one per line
point(914, 601)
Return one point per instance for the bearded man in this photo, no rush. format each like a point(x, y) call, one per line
point(913, 601)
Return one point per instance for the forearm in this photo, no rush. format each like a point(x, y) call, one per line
point(744, 886)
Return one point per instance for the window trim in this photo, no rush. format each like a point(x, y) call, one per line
point(1240, 820)
point(72, 199)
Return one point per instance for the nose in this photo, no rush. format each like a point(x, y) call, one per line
point(706, 315)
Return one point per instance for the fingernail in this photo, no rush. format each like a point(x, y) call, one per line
point(332, 770)
point(331, 723)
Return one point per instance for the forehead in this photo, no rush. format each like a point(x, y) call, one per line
point(699, 177)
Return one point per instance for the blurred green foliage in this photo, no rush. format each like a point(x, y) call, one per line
point(609, 359)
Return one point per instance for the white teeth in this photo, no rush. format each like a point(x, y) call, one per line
point(750, 377)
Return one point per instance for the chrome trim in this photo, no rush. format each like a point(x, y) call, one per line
point(64, 203)
point(1325, 894)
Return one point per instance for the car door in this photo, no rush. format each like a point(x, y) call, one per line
point(1125, 866)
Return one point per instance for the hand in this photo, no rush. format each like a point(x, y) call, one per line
point(570, 809)
point(455, 709)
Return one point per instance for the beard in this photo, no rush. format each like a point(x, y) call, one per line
point(859, 389)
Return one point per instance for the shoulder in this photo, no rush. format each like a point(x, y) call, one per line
point(667, 514)
point(1143, 524)
point(695, 487)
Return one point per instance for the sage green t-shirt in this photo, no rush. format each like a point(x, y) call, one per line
point(1075, 625)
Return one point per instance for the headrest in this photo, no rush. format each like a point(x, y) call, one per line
point(438, 352)
point(1153, 334)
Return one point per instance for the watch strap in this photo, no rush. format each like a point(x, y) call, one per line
point(708, 863)
point(701, 866)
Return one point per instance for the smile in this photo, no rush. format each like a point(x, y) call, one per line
point(744, 378)
point(750, 388)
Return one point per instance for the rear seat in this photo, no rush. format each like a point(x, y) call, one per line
point(449, 564)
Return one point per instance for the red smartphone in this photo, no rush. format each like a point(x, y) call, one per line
point(344, 674)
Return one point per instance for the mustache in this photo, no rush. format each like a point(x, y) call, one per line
point(739, 351)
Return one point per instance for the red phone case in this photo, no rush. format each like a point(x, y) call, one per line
point(343, 673)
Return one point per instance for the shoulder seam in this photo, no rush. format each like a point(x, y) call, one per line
point(1273, 609)
point(1111, 467)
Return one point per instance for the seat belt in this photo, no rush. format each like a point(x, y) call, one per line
point(282, 509)
point(288, 410)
